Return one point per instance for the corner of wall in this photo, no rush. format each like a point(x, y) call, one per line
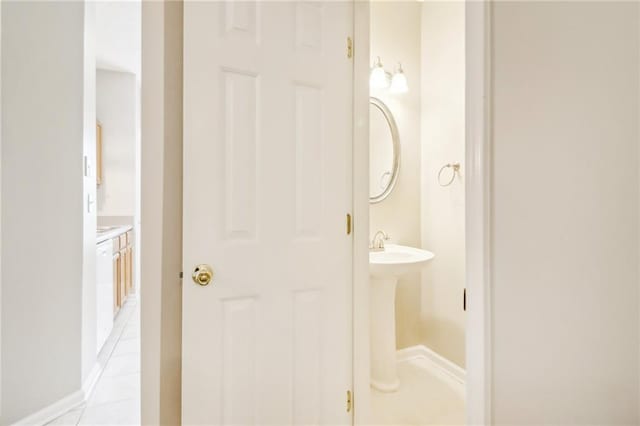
point(89, 190)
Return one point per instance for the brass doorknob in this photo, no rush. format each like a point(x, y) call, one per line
point(202, 274)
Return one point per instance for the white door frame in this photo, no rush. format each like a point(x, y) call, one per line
point(361, 369)
point(477, 212)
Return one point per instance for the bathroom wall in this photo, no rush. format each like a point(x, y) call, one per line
point(395, 37)
point(564, 227)
point(442, 319)
point(117, 98)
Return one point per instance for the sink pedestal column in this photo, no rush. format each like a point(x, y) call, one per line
point(383, 334)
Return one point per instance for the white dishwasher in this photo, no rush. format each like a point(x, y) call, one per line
point(104, 292)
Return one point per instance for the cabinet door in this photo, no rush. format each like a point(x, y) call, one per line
point(130, 262)
point(129, 270)
point(123, 273)
point(116, 281)
point(126, 271)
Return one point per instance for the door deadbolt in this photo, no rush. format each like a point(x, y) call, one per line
point(202, 274)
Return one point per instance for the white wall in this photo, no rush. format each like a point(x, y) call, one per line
point(161, 230)
point(443, 209)
point(395, 36)
point(0, 210)
point(117, 97)
point(89, 199)
point(565, 212)
point(43, 58)
point(119, 56)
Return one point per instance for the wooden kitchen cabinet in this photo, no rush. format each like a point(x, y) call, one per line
point(129, 263)
point(122, 269)
point(125, 282)
point(116, 276)
point(122, 290)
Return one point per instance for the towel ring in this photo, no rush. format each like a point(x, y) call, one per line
point(456, 170)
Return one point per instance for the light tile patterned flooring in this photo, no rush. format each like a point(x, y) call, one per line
point(425, 397)
point(115, 400)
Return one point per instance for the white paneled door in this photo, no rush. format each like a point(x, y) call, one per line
point(267, 187)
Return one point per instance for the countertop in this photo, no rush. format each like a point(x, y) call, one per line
point(108, 232)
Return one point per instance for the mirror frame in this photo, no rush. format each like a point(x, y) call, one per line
point(396, 148)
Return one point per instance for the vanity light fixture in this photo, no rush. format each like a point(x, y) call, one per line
point(378, 78)
point(399, 81)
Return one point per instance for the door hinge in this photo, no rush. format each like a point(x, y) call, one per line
point(181, 274)
point(349, 224)
point(349, 48)
point(349, 401)
point(464, 299)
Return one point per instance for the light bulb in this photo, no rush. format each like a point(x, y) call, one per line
point(378, 78)
point(399, 82)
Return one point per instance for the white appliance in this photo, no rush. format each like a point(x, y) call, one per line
point(104, 292)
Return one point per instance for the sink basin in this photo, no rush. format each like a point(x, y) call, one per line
point(396, 260)
point(385, 267)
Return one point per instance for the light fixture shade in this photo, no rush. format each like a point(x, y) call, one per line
point(399, 82)
point(378, 78)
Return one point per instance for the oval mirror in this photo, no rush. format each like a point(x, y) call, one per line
point(384, 151)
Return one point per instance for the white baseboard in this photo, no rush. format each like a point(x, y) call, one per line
point(435, 360)
point(65, 404)
point(53, 411)
point(90, 382)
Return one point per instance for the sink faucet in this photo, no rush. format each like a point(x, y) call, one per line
point(377, 244)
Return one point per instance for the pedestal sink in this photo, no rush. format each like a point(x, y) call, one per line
point(385, 267)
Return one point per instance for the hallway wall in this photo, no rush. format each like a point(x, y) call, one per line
point(564, 227)
point(43, 200)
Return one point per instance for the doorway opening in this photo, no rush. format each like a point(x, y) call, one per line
point(417, 212)
point(116, 396)
point(112, 180)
